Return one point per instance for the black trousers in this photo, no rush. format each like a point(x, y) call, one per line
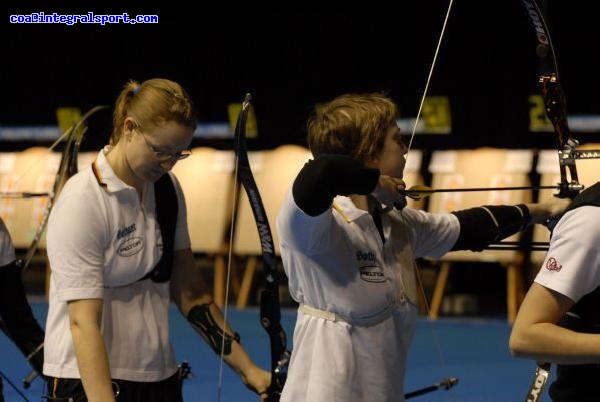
point(71, 390)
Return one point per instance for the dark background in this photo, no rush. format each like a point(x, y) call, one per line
point(292, 57)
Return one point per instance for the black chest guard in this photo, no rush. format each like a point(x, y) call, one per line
point(166, 214)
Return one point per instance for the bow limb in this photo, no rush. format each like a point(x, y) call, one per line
point(270, 308)
point(29, 194)
point(556, 109)
point(66, 168)
point(555, 105)
point(24, 262)
point(56, 186)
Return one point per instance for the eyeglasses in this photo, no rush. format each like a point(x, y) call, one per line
point(163, 156)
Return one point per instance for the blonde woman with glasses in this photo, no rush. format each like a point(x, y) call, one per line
point(119, 252)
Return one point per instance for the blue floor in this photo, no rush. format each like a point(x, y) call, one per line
point(475, 351)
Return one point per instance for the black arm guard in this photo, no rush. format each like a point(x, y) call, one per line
point(201, 318)
point(18, 321)
point(483, 225)
point(326, 176)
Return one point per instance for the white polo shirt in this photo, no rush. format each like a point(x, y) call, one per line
point(572, 264)
point(7, 250)
point(101, 240)
point(337, 263)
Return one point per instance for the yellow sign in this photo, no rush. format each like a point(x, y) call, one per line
point(233, 110)
point(67, 116)
point(538, 120)
point(436, 115)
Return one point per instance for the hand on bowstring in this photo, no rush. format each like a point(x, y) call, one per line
point(388, 193)
point(416, 192)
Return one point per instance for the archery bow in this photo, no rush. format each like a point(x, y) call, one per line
point(556, 110)
point(67, 168)
point(554, 102)
point(270, 309)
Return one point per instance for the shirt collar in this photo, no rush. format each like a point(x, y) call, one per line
point(105, 175)
point(347, 209)
point(350, 211)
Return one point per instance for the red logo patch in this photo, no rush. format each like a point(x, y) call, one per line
point(553, 265)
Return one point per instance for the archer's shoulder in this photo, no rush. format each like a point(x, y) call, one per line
point(579, 224)
point(80, 181)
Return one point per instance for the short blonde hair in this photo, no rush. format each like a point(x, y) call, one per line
point(352, 124)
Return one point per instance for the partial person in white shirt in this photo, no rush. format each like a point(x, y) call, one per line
point(559, 319)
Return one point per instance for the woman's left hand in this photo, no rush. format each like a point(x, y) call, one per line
point(548, 209)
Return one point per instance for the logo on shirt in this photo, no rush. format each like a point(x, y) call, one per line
point(370, 272)
point(126, 230)
point(365, 256)
point(130, 246)
point(553, 265)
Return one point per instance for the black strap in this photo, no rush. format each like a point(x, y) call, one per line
point(375, 211)
point(166, 214)
point(591, 196)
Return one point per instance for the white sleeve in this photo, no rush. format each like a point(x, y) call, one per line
point(572, 264)
point(433, 235)
point(76, 241)
point(305, 232)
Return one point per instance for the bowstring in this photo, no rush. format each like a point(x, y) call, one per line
point(434, 333)
point(437, 49)
point(234, 205)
